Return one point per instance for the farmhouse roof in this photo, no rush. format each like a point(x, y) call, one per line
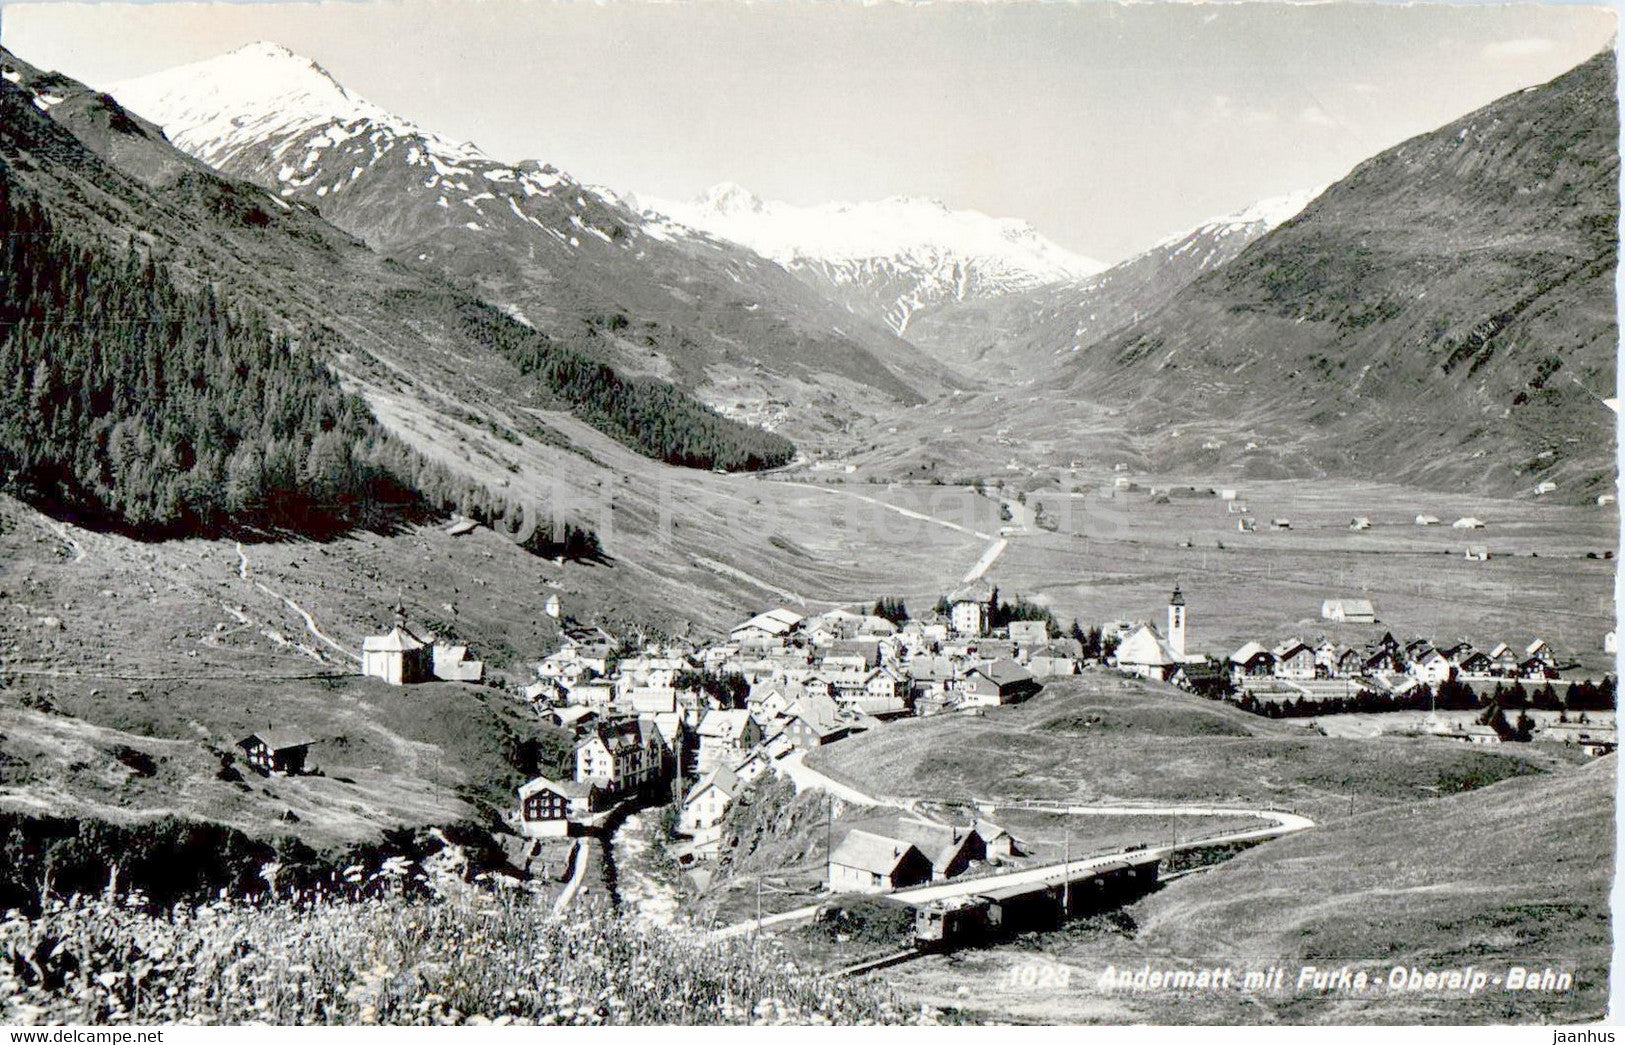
point(1003, 672)
point(1248, 652)
point(870, 852)
point(567, 788)
point(778, 621)
point(721, 778)
point(278, 739)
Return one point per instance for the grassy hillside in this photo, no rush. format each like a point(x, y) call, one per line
point(1444, 313)
point(1517, 873)
point(1101, 738)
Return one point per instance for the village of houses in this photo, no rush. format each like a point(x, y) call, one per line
point(698, 723)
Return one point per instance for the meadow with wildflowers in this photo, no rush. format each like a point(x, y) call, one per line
point(476, 958)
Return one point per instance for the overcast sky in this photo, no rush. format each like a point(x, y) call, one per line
point(1108, 126)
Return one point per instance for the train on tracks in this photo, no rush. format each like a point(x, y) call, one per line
point(1032, 906)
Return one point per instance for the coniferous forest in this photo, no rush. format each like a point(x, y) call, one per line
point(131, 402)
point(652, 417)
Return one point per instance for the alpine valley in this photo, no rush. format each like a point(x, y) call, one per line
point(404, 548)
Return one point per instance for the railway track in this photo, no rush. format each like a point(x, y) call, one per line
point(883, 962)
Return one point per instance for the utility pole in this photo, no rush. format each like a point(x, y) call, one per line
point(1066, 874)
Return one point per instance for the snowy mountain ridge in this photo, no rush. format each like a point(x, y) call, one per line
point(222, 108)
point(891, 256)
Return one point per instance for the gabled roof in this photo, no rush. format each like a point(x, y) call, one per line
point(874, 853)
point(1290, 648)
point(777, 621)
point(724, 780)
point(932, 669)
point(279, 739)
point(399, 640)
point(567, 788)
point(818, 710)
point(1003, 672)
point(723, 723)
point(1248, 652)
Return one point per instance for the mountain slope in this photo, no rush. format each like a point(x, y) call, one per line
point(887, 259)
point(1018, 336)
point(571, 260)
point(1444, 314)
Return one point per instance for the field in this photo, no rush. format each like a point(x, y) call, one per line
point(1117, 554)
point(1517, 873)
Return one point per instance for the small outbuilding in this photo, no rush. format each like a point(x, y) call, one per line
point(276, 751)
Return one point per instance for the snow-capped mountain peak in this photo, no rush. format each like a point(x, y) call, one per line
point(220, 106)
point(888, 257)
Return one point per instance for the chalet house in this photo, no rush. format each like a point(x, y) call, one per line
point(997, 843)
point(871, 863)
point(881, 684)
point(771, 628)
point(1326, 654)
point(547, 807)
point(593, 648)
point(1349, 611)
point(768, 700)
point(1539, 650)
point(967, 608)
point(1506, 660)
point(1536, 668)
point(1457, 653)
point(1432, 667)
point(276, 751)
point(1294, 660)
point(1250, 662)
point(725, 736)
point(400, 658)
point(952, 849)
point(1001, 682)
point(1349, 663)
point(813, 721)
point(1476, 663)
point(707, 801)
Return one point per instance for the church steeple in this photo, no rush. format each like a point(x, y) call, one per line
point(1176, 622)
